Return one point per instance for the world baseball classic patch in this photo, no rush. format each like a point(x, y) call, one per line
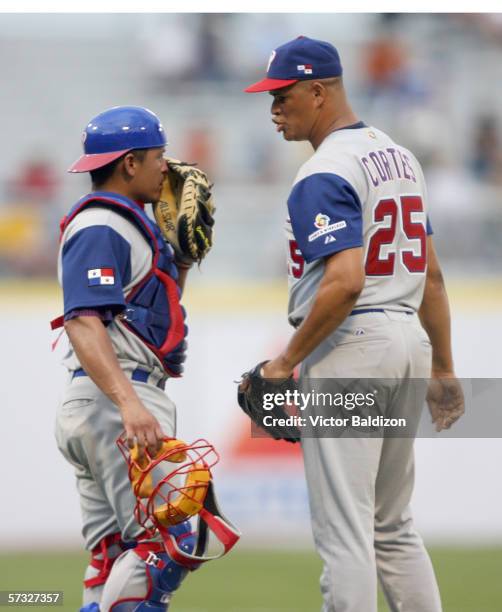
point(101, 276)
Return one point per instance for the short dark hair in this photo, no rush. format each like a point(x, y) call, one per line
point(103, 174)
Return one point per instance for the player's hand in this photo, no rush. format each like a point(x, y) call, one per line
point(445, 399)
point(142, 428)
point(276, 369)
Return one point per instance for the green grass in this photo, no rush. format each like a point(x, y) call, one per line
point(267, 581)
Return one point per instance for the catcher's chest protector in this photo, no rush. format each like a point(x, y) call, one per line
point(153, 312)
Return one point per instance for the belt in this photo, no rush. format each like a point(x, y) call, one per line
point(365, 310)
point(297, 322)
point(137, 375)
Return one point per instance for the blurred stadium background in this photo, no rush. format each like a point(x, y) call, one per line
point(431, 82)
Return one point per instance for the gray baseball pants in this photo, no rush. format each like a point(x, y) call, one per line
point(360, 488)
point(87, 427)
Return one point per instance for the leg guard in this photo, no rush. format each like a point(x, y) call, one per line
point(103, 557)
point(153, 577)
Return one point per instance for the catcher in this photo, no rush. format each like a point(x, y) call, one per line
point(122, 277)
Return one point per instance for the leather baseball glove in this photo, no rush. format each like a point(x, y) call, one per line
point(255, 392)
point(185, 212)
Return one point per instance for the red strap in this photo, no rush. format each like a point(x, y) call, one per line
point(57, 322)
point(97, 563)
point(62, 225)
point(176, 331)
point(104, 565)
point(104, 571)
point(55, 343)
point(147, 550)
point(226, 534)
point(177, 555)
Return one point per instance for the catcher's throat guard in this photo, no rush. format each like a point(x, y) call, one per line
point(173, 486)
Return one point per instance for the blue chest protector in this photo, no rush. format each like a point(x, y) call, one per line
point(153, 312)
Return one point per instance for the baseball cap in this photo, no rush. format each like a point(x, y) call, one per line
point(116, 131)
point(301, 59)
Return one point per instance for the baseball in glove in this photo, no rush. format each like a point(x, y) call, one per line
point(185, 212)
point(250, 396)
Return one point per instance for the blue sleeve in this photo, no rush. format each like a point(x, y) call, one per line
point(429, 227)
point(96, 266)
point(326, 215)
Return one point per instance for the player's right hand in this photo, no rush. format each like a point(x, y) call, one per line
point(142, 428)
point(445, 399)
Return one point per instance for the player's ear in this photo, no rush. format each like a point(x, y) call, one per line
point(129, 165)
point(318, 93)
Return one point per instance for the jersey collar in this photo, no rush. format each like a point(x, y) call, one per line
point(353, 126)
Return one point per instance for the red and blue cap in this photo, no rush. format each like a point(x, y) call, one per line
point(117, 131)
point(301, 59)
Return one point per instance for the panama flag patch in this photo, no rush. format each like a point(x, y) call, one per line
point(101, 276)
point(305, 68)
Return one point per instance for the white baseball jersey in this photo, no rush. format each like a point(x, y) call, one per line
point(359, 189)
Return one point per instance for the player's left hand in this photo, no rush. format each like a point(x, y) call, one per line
point(276, 369)
point(252, 393)
point(445, 399)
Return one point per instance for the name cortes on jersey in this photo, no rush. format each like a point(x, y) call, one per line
point(390, 164)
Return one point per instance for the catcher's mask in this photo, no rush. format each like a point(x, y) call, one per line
point(173, 486)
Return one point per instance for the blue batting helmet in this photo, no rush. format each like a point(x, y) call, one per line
point(116, 131)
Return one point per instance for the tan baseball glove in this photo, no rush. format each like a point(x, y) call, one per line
point(185, 211)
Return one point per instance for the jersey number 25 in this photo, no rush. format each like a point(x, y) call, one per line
point(414, 262)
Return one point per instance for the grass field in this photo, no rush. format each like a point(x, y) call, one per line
point(269, 581)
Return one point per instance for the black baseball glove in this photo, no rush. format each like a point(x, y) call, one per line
point(250, 395)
